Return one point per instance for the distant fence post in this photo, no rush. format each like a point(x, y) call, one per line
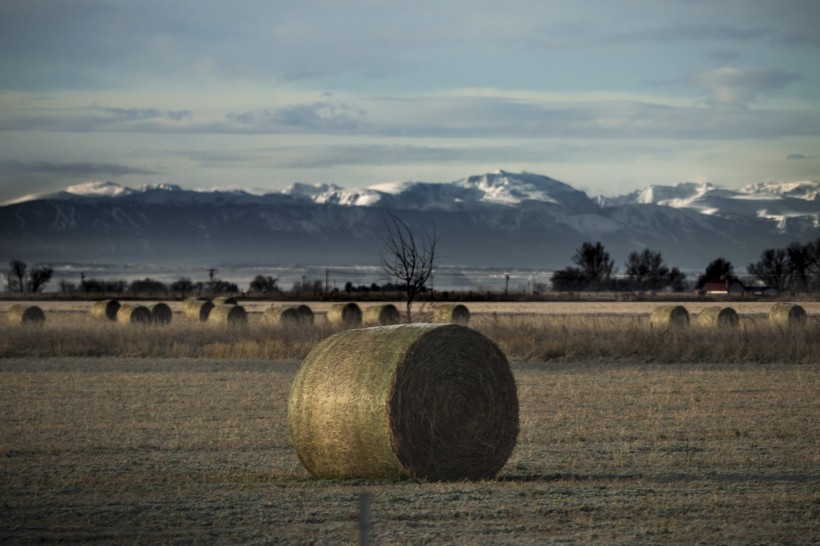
point(365, 500)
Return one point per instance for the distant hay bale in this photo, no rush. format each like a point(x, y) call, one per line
point(381, 315)
point(424, 401)
point(25, 314)
point(345, 314)
point(669, 316)
point(281, 316)
point(133, 314)
point(225, 300)
point(787, 315)
point(105, 310)
point(718, 317)
point(160, 313)
point(305, 314)
point(451, 313)
point(234, 315)
point(197, 308)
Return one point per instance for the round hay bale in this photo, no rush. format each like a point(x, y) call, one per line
point(160, 313)
point(669, 316)
point(25, 314)
point(105, 310)
point(233, 315)
point(281, 316)
point(133, 314)
point(787, 315)
point(197, 309)
point(451, 313)
point(718, 317)
point(381, 315)
point(345, 314)
point(424, 401)
point(225, 300)
point(305, 314)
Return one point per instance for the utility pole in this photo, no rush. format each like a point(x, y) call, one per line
point(327, 281)
point(506, 283)
point(211, 272)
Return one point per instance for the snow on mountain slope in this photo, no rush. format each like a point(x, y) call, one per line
point(808, 190)
point(99, 188)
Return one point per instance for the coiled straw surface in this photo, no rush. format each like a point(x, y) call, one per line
point(669, 316)
point(197, 309)
point(787, 315)
point(25, 314)
point(160, 313)
point(228, 314)
point(344, 314)
point(451, 313)
point(225, 300)
point(133, 314)
point(381, 315)
point(425, 401)
point(718, 317)
point(105, 310)
point(305, 314)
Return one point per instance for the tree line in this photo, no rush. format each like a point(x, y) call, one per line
point(795, 268)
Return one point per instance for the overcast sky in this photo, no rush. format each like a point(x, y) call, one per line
point(608, 96)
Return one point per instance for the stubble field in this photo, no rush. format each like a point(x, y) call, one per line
point(158, 448)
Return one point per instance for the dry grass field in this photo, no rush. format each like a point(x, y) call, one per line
point(116, 434)
point(135, 451)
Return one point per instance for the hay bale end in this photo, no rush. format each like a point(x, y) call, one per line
point(233, 315)
point(787, 315)
point(105, 310)
point(197, 309)
point(348, 315)
point(133, 314)
point(718, 317)
point(445, 313)
point(381, 315)
point(25, 314)
point(281, 316)
point(161, 313)
point(669, 317)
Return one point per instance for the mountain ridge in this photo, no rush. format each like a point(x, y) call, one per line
point(493, 219)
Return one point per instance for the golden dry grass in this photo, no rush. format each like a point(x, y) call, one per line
point(539, 337)
point(196, 451)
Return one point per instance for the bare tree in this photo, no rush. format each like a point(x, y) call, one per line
point(39, 277)
point(17, 276)
point(408, 258)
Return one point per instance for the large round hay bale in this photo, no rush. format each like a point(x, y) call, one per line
point(225, 300)
point(425, 401)
point(281, 316)
point(305, 314)
point(160, 313)
point(345, 314)
point(381, 315)
point(105, 310)
point(787, 315)
point(234, 315)
point(133, 314)
point(197, 309)
point(717, 317)
point(451, 313)
point(669, 316)
point(25, 314)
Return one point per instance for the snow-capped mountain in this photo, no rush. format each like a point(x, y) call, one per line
point(496, 219)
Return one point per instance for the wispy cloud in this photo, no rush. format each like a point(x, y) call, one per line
point(739, 87)
point(326, 116)
point(797, 157)
point(71, 169)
